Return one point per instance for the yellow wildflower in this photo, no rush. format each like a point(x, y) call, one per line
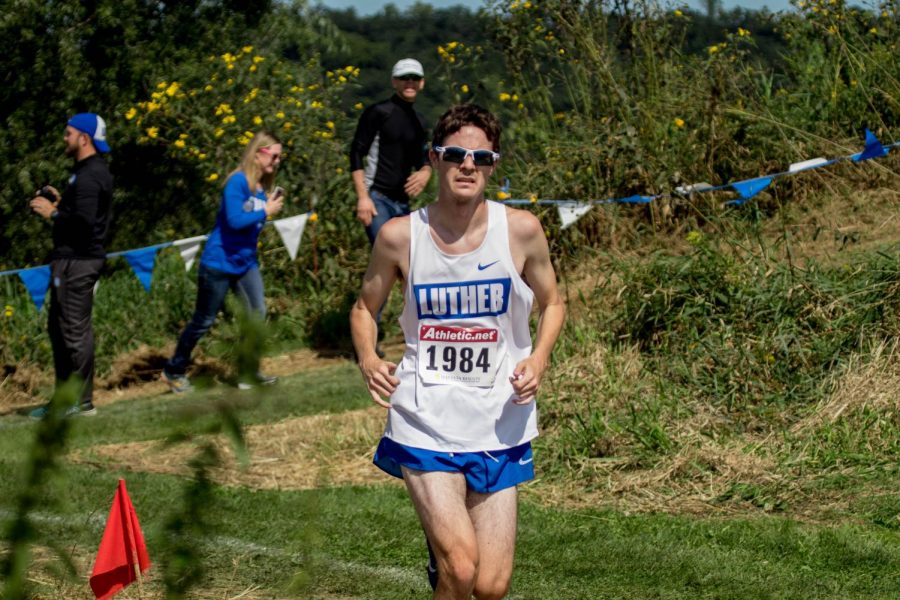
point(339, 170)
point(152, 132)
point(694, 238)
point(358, 106)
point(313, 217)
point(678, 13)
point(151, 106)
point(201, 156)
point(329, 124)
point(873, 30)
point(258, 59)
point(218, 132)
point(132, 112)
point(287, 125)
point(208, 88)
point(679, 122)
point(532, 198)
point(179, 143)
point(8, 311)
point(504, 97)
point(212, 177)
point(562, 51)
point(501, 195)
point(712, 49)
point(172, 89)
point(161, 85)
point(279, 115)
point(464, 88)
point(247, 49)
point(252, 68)
point(257, 120)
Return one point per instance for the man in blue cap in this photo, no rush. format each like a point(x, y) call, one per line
point(80, 217)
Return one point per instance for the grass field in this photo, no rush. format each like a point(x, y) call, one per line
point(283, 537)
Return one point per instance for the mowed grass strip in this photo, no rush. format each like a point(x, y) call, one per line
point(354, 542)
point(365, 542)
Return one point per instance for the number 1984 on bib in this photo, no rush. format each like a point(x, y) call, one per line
point(458, 355)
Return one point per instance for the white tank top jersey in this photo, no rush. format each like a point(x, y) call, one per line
point(465, 323)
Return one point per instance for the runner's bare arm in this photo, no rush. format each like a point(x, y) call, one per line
point(529, 241)
point(391, 246)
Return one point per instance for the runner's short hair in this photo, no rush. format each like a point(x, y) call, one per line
point(461, 115)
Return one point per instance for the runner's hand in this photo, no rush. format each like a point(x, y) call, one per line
point(416, 182)
point(380, 380)
point(365, 210)
point(527, 378)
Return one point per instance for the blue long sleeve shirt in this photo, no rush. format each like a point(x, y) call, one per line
point(231, 246)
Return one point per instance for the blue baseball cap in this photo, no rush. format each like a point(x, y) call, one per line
point(93, 125)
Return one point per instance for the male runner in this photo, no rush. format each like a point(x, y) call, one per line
point(461, 412)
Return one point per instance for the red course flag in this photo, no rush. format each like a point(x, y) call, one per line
point(122, 550)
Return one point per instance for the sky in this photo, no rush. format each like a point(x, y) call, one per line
point(368, 7)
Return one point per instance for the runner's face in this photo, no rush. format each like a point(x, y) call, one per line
point(407, 89)
point(463, 182)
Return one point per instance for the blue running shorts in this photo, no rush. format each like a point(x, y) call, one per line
point(485, 472)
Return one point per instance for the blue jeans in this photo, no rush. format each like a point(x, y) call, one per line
point(212, 285)
point(387, 209)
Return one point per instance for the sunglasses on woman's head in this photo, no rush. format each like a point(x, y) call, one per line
point(455, 154)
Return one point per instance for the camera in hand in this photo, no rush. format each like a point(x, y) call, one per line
point(45, 192)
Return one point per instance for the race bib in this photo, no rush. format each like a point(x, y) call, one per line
point(459, 355)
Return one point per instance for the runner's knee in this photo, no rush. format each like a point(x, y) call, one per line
point(491, 589)
point(459, 569)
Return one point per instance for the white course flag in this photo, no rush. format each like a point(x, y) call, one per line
point(569, 213)
point(290, 230)
point(188, 248)
point(807, 164)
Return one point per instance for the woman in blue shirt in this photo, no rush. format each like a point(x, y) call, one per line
point(229, 259)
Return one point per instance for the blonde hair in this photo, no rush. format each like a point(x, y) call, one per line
point(250, 168)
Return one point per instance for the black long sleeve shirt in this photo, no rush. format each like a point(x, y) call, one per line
point(392, 135)
point(82, 221)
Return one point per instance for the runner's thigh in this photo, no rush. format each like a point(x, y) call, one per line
point(494, 517)
point(440, 501)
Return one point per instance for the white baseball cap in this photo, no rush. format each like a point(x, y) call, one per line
point(407, 66)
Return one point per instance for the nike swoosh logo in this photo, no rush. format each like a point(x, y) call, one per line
point(522, 461)
point(482, 267)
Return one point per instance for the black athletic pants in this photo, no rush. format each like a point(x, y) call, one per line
point(71, 334)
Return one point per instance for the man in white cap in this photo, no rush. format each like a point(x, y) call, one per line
point(80, 217)
point(392, 138)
